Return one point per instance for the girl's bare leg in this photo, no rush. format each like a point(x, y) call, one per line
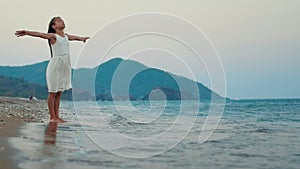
point(51, 100)
point(56, 106)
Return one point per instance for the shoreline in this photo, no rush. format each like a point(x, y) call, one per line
point(247, 133)
point(14, 113)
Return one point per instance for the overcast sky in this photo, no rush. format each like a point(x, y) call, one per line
point(258, 41)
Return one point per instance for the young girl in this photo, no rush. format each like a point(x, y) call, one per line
point(58, 74)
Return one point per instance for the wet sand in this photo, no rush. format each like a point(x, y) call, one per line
point(15, 112)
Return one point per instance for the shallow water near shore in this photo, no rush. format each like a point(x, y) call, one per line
point(251, 134)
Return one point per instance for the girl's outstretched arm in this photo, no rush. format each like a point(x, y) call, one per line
point(50, 36)
point(78, 38)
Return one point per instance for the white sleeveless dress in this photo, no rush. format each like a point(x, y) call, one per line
point(58, 73)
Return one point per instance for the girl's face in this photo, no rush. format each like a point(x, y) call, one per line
point(59, 24)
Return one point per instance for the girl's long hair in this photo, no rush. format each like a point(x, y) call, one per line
point(51, 30)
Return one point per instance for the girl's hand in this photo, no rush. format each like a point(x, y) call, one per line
point(21, 33)
point(85, 38)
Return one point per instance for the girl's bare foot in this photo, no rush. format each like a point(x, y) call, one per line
point(57, 120)
point(54, 120)
point(61, 120)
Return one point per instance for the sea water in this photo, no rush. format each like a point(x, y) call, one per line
point(249, 134)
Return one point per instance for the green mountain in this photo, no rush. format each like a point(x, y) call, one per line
point(35, 73)
point(117, 70)
point(16, 87)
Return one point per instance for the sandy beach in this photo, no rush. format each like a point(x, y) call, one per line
point(251, 134)
point(15, 112)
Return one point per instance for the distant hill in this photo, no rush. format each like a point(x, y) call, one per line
point(12, 86)
point(35, 73)
point(139, 89)
point(18, 87)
